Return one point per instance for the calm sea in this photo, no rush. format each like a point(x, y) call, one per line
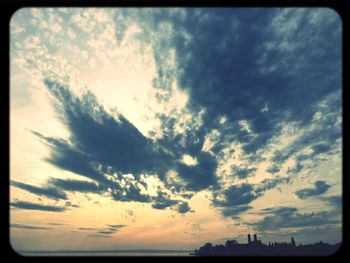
point(114, 253)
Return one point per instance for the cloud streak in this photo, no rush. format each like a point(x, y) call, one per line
point(103, 232)
point(28, 227)
point(74, 185)
point(49, 191)
point(34, 206)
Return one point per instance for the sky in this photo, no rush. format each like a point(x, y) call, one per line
point(167, 128)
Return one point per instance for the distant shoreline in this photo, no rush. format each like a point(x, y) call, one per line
point(136, 251)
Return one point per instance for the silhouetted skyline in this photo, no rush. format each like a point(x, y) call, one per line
point(257, 248)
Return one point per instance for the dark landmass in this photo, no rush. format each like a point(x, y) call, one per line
point(257, 248)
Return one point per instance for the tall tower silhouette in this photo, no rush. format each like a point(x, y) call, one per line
point(293, 241)
point(255, 238)
point(249, 239)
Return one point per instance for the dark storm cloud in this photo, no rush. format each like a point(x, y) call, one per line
point(67, 158)
point(236, 198)
point(99, 141)
point(48, 191)
point(162, 201)
point(102, 139)
point(33, 206)
point(237, 195)
point(321, 148)
point(217, 75)
point(192, 140)
point(199, 176)
point(320, 188)
point(28, 227)
point(248, 64)
point(74, 185)
point(285, 217)
point(130, 193)
point(228, 68)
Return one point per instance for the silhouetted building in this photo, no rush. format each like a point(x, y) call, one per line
point(231, 243)
point(255, 241)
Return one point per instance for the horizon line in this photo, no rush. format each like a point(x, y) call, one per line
point(103, 250)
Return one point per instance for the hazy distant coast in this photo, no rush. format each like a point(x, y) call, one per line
point(139, 252)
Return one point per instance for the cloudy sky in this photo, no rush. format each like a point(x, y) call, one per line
point(168, 128)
